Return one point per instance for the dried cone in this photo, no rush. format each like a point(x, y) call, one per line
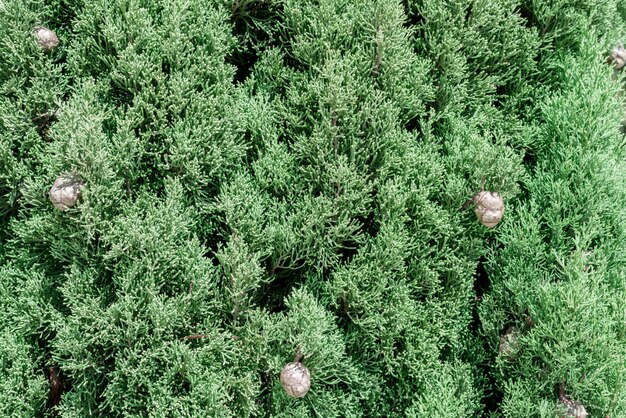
point(65, 191)
point(571, 408)
point(508, 343)
point(489, 208)
point(296, 379)
point(46, 38)
point(618, 56)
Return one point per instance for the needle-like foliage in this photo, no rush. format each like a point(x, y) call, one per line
point(269, 177)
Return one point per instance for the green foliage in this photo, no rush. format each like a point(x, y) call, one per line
point(23, 389)
point(480, 50)
point(268, 176)
point(561, 263)
point(447, 393)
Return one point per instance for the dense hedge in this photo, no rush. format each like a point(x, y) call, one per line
point(267, 175)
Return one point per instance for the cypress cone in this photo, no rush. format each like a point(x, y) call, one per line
point(46, 38)
point(569, 407)
point(65, 191)
point(296, 378)
point(489, 206)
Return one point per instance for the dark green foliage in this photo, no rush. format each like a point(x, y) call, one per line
point(480, 50)
point(23, 388)
point(562, 261)
point(263, 176)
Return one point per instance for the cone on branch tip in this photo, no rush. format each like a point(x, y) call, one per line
point(66, 191)
point(489, 206)
point(508, 343)
point(570, 408)
point(46, 38)
point(295, 377)
point(618, 56)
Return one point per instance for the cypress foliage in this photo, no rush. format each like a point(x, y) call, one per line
point(561, 262)
point(263, 178)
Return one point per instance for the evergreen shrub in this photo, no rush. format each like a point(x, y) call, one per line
point(262, 177)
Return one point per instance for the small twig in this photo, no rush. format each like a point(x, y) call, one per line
point(46, 115)
point(234, 7)
point(529, 322)
point(194, 337)
point(470, 201)
point(190, 286)
point(56, 386)
point(43, 122)
point(465, 205)
point(346, 306)
point(298, 354)
point(276, 265)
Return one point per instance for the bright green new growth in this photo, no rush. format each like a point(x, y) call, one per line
point(264, 175)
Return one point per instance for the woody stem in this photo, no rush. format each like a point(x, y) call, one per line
point(298, 354)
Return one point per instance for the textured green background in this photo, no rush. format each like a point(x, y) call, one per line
point(268, 174)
